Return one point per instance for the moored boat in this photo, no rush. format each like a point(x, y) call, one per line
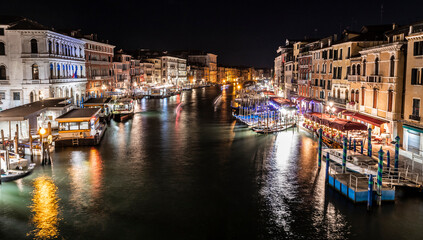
point(122, 109)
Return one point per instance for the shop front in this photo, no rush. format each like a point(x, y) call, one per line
point(413, 139)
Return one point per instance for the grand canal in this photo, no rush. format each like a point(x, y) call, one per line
point(193, 173)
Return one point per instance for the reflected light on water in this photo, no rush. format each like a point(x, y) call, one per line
point(96, 172)
point(45, 209)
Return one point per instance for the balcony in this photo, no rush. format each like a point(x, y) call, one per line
point(414, 117)
point(374, 79)
point(67, 80)
point(337, 100)
point(354, 78)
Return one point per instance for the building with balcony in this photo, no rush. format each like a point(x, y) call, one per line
point(99, 65)
point(174, 70)
point(38, 63)
point(413, 122)
point(122, 71)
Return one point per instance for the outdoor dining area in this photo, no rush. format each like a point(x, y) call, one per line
point(334, 128)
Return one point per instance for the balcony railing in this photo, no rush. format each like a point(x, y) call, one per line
point(374, 79)
point(414, 117)
point(337, 100)
point(354, 78)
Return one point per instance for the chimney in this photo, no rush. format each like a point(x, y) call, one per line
point(411, 30)
point(335, 37)
point(394, 26)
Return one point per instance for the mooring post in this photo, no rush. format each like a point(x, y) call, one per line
point(388, 159)
point(355, 145)
point(397, 142)
point(349, 144)
point(379, 177)
point(369, 142)
point(370, 193)
point(2, 139)
point(327, 167)
point(362, 147)
point(319, 150)
point(344, 156)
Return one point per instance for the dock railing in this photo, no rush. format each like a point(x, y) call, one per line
point(354, 181)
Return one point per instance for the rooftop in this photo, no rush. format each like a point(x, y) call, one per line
point(23, 112)
point(98, 100)
point(79, 113)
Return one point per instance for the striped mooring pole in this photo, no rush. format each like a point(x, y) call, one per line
point(369, 142)
point(379, 177)
point(349, 144)
point(388, 159)
point(362, 147)
point(397, 141)
point(327, 167)
point(370, 193)
point(355, 145)
point(344, 156)
point(370, 150)
point(319, 150)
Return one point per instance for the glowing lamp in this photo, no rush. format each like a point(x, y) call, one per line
point(42, 131)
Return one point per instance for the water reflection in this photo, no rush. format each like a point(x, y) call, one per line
point(45, 209)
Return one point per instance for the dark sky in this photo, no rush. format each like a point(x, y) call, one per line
point(240, 32)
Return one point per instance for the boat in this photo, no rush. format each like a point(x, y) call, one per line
point(123, 109)
point(13, 167)
point(12, 175)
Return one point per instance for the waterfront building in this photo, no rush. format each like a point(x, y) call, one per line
point(413, 124)
point(284, 55)
point(99, 65)
point(304, 68)
point(121, 71)
point(198, 73)
point(147, 73)
point(135, 73)
point(221, 75)
point(174, 70)
point(38, 63)
point(380, 87)
point(262, 74)
point(207, 62)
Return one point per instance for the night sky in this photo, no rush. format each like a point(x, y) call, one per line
point(240, 32)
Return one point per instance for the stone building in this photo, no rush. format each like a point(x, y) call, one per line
point(122, 71)
point(174, 70)
point(99, 65)
point(37, 63)
point(413, 124)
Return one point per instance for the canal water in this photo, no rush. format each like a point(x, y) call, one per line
point(184, 169)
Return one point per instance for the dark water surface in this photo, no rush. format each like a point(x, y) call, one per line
point(193, 173)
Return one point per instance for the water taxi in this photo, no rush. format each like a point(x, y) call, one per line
point(13, 167)
point(123, 109)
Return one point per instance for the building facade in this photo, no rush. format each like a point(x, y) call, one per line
point(38, 63)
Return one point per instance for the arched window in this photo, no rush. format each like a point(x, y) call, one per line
point(377, 66)
point(357, 94)
point(58, 70)
point(363, 94)
point(390, 100)
point(375, 98)
point(2, 49)
point(346, 94)
point(74, 52)
point(57, 48)
point(35, 73)
point(352, 95)
point(50, 50)
point(2, 72)
point(34, 46)
point(339, 93)
point(364, 68)
point(31, 97)
point(392, 67)
point(358, 69)
point(51, 70)
point(353, 70)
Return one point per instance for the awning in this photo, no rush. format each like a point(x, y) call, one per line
point(336, 123)
point(365, 118)
point(300, 99)
point(416, 129)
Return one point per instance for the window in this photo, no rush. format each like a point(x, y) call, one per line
point(335, 54)
point(34, 46)
point(16, 96)
point(363, 93)
point(57, 48)
point(349, 52)
point(1, 31)
point(2, 72)
point(339, 72)
point(73, 126)
point(364, 68)
point(392, 67)
point(357, 93)
point(377, 66)
point(353, 70)
point(340, 54)
point(418, 48)
point(84, 126)
point(2, 49)
point(2, 95)
point(390, 98)
point(50, 50)
point(35, 73)
point(375, 98)
point(415, 77)
point(358, 69)
point(416, 107)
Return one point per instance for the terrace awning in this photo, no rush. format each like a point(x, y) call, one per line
point(365, 118)
point(334, 122)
